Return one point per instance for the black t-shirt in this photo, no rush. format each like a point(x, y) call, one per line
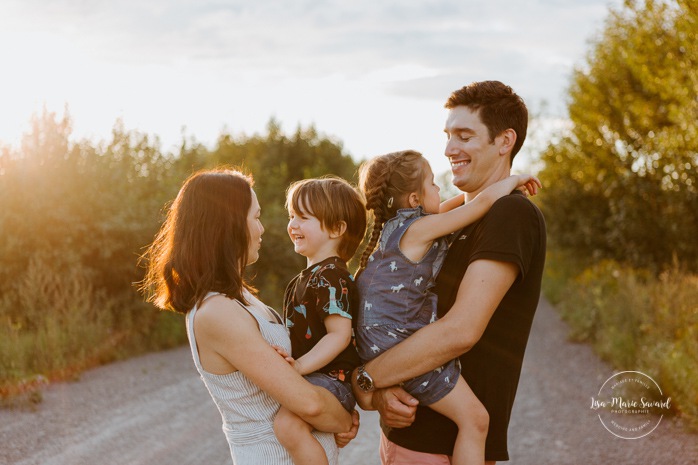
point(512, 231)
point(323, 289)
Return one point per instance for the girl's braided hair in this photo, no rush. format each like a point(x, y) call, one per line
point(386, 182)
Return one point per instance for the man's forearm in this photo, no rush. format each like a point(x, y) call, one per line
point(482, 288)
point(425, 350)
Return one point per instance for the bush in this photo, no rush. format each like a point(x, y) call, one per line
point(635, 320)
point(75, 217)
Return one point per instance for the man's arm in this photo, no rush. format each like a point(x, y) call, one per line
point(481, 290)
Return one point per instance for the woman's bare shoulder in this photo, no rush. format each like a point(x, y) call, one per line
point(219, 313)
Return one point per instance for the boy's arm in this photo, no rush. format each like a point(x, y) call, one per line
point(332, 344)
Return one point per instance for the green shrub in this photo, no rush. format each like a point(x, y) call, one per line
point(64, 325)
point(75, 217)
point(635, 321)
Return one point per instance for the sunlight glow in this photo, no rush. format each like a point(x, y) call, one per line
point(195, 69)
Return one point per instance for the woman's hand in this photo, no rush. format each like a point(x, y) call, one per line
point(342, 439)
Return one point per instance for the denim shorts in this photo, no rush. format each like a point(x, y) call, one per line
point(340, 389)
point(434, 385)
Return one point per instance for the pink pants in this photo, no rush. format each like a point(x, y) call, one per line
point(392, 454)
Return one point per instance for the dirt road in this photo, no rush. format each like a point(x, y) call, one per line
point(155, 410)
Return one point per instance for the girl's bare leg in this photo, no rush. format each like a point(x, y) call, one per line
point(296, 436)
point(464, 408)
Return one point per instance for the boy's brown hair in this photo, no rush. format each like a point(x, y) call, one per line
point(331, 200)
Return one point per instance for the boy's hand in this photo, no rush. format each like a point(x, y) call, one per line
point(281, 351)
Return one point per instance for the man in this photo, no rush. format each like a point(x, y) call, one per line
point(488, 291)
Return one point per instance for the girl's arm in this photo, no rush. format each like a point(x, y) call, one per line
point(453, 202)
point(228, 333)
point(337, 339)
point(425, 230)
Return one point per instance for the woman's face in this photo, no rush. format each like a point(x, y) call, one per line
point(255, 228)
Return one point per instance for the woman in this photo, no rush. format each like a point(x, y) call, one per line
point(195, 267)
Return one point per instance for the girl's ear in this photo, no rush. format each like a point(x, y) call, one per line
point(413, 200)
point(339, 228)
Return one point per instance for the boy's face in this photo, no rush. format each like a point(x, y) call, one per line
point(309, 238)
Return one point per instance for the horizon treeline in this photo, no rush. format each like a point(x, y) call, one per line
point(75, 216)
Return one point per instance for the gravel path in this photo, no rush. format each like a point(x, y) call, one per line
point(155, 410)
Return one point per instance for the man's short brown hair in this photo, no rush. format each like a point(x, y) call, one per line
point(498, 106)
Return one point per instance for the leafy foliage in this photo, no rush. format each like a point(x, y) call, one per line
point(623, 183)
point(621, 197)
point(634, 320)
point(76, 216)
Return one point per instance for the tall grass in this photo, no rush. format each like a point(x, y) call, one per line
point(635, 320)
point(65, 326)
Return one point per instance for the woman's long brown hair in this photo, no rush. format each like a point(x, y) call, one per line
point(203, 244)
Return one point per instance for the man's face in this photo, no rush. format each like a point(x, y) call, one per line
point(475, 162)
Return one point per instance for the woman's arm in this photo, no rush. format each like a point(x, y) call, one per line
point(228, 331)
point(332, 344)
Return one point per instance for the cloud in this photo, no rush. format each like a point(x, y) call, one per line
point(314, 38)
point(239, 61)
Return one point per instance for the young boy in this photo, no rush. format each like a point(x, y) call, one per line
point(327, 221)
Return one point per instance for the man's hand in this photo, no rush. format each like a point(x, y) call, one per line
point(342, 439)
point(396, 407)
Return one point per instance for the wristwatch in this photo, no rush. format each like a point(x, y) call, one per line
point(364, 380)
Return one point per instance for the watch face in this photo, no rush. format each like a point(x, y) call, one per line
point(364, 381)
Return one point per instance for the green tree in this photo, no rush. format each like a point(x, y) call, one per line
point(622, 183)
point(76, 216)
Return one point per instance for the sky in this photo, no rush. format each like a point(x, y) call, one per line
point(372, 75)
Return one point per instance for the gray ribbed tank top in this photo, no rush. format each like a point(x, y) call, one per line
point(247, 411)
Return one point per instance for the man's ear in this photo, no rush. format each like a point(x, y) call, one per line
point(507, 140)
point(339, 228)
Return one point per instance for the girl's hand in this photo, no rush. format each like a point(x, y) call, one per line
point(528, 184)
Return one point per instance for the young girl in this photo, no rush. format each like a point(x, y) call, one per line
point(395, 281)
point(327, 221)
point(196, 267)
